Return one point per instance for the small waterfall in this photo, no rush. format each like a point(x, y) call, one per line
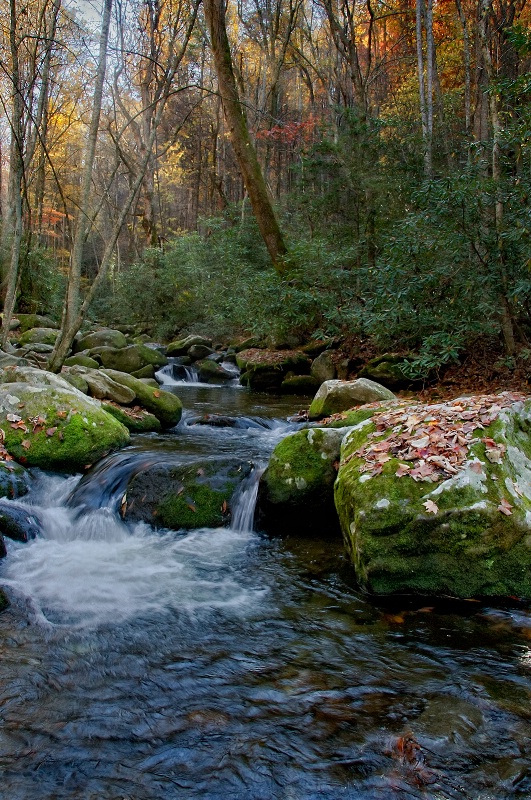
point(173, 374)
point(244, 502)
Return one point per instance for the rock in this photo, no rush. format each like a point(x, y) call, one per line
point(198, 351)
point(296, 493)
point(103, 387)
point(18, 522)
point(210, 372)
point(7, 360)
point(334, 396)
point(462, 530)
point(106, 337)
point(182, 361)
point(136, 420)
point(299, 384)
point(146, 372)
point(28, 321)
point(387, 370)
point(323, 368)
point(14, 479)
point(81, 360)
point(39, 336)
point(181, 346)
point(4, 602)
point(318, 346)
point(185, 497)
point(150, 382)
point(130, 359)
point(49, 424)
point(36, 347)
point(264, 370)
point(77, 381)
point(164, 405)
point(253, 342)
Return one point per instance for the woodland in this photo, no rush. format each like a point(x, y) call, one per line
point(284, 169)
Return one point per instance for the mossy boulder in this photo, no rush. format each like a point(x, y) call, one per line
point(265, 370)
point(106, 337)
point(102, 387)
point(136, 420)
point(130, 359)
point(463, 534)
point(164, 405)
point(28, 321)
point(210, 372)
point(335, 396)
point(180, 347)
point(49, 424)
point(388, 370)
point(82, 360)
point(299, 384)
point(186, 496)
point(39, 336)
point(18, 522)
point(147, 372)
point(324, 368)
point(296, 493)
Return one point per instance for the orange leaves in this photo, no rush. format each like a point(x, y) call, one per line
point(505, 507)
point(431, 507)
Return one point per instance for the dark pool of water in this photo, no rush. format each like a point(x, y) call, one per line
point(221, 664)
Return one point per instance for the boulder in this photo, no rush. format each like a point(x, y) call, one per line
point(265, 370)
point(198, 351)
point(323, 368)
point(39, 336)
point(436, 500)
point(14, 479)
point(4, 602)
point(186, 496)
point(181, 346)
point(103, 387)
point(299, 384)
point(81, 360)
point(210, 372)
point(164, 405)
point(387, 370)
point(77, 381)
point(50, 424)
point(296, 491)
point(136, 420)
point(147, 372)
point(130, 359)
point(334, 396)
point(106, 337)
point(18, 522)
point(8, 360)
point(28, 321)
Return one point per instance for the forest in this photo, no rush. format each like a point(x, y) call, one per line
point(285, 169)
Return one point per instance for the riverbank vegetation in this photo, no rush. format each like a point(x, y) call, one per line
point(392, 139)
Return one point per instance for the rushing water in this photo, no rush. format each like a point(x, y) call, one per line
point(151, 665)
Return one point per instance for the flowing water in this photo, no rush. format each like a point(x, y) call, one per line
point(150, 665)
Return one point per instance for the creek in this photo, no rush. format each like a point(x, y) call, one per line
point(149, 665)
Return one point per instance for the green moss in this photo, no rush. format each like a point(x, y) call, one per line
point(202, 507)
point(144, 422)
point(165, 406)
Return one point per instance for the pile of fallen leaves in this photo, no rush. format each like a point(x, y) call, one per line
point(432, 442)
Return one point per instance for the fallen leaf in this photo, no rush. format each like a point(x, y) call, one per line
point(50, 431)
point(476, 467)
point(431, 507)
point(191, 507)
point(403, 469)
point(505, 507)
point(26, 444)
point(224, 507)
point(13, 418)
point(156, 393)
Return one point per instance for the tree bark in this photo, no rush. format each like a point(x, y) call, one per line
point(241, 141)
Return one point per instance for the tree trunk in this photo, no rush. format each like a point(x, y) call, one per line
point(239, 132)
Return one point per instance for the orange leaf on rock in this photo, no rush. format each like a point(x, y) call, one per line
point(26, 444)
point(156, 393)
point(505, 508)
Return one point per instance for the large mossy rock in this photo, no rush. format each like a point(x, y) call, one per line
point(81, 360)
point(436, 500)
point(185, 497)
point(28, 321)
point(181, 346)
point(130, 359)
point(388, 370)
point(210, 372)
point(164, 405)
point(136, 419)
point(265, 370)
point(102, 387)
point(39, 336)
point(49, 424)
point(335, 396)
point(106, 337)
point(296, 491)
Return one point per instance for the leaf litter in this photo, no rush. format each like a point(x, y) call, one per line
point(432, 442)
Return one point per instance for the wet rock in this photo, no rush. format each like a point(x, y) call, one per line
point(299, 384)
point(185, 497)
point(50, 424)
point(334, 396)
point(18, 522)
point(296, 493)
point(164, 405)
point(106, 337)
point(146, 372)
point(14, 479)
point(210, 372)
point(199, 351)
point(412, 527)
point(4, 602)
point(217, 421)
point(136, 420)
